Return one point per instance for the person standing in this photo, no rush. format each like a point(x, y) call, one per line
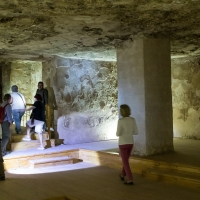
point(126, 128)
point(2, 174)
point(37, 120)
point(44, 94)
point(18, 106)
point(7, 123)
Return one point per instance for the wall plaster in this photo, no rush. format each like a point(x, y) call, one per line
point(186, 97)
point(85, 93)
point(24, 74)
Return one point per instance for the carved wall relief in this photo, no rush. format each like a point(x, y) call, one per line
point(86, 96)
point(186, 98)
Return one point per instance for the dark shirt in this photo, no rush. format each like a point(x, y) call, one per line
point(37, 112)
point(44, 93)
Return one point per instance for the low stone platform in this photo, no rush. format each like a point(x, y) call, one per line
point(24, 161)
point(103, 154)
point(44, 162)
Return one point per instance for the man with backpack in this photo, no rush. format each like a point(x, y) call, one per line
point(6, 121)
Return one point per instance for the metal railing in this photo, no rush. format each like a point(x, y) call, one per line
point(27, 115)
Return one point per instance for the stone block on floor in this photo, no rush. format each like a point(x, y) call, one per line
point(46, 162)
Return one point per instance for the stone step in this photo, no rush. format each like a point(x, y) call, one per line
point(20, 159)
point(34, 136)
point(186, 179)
point(26, 145)
point(46, 162)
point(31, 144)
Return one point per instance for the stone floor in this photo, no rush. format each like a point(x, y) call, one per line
point(187, 151)
point(86, 181)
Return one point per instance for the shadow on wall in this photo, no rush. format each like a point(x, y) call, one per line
point(53, 106)
point(5, 78)
point(24, 74)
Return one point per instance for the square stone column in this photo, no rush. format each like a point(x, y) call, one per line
point(144, 83)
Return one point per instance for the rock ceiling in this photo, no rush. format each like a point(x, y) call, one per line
point(37, 29)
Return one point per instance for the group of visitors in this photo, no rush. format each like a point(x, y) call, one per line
point(14, 107)
point(125, 130)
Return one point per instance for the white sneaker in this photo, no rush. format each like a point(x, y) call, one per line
point(40, 148)
point(26, 138)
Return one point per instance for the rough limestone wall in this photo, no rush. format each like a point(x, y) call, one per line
point(6, 70)
point(86, 98)
point(24, 74)
point(186, 97)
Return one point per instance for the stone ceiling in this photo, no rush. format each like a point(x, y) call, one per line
point(37, 29)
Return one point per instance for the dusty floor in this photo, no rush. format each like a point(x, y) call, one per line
point(89, 182)
point(187, 152)
point(86, 182)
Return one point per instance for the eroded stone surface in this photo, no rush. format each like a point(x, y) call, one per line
point(144, 83)
point(91, 29)
point(24, 74)
point(86, 98)
point(186, 97)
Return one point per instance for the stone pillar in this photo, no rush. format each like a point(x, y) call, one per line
point(144, 83)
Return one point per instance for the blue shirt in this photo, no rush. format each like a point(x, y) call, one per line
point(8, 112)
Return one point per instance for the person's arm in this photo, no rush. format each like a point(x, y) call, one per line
point(30, 108)
point(118, 128)
point(11, 100)
point(46, 97)
point(9, 114)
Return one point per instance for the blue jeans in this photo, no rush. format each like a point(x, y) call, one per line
point(17, 115)
point(5, 135)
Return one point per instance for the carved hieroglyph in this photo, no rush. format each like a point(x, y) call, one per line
point(86, 97)
point(186, 97)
